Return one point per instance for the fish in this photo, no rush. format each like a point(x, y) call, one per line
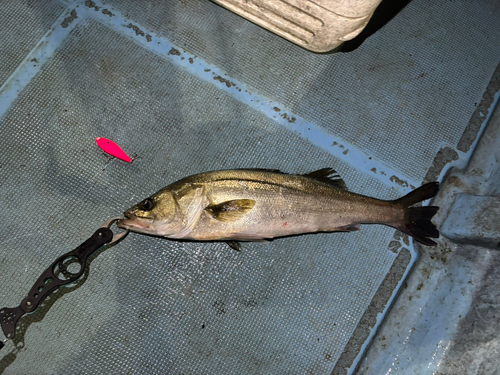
point(261, 204)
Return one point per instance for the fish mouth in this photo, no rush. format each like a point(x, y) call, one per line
point(122, 223)
point(133, 221)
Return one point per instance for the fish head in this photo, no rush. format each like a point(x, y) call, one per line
point(157, 215)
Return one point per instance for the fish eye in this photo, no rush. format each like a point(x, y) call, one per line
point(146, 205)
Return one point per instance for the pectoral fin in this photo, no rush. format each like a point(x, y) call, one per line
point(230, 210)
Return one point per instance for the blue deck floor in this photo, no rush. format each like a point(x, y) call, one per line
point(189, 87)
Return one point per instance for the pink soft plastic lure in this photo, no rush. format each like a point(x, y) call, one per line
point(112, 148)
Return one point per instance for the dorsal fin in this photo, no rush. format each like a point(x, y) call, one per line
point(326, 175)
point(329, 176)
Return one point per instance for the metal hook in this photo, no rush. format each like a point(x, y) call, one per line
point(118, 236)
point(2, 343)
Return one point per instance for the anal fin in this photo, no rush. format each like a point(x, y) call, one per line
point(235, 245)
point(251, 237)
point(348, 228)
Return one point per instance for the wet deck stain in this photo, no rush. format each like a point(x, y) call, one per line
point(68, 20)
point(223, 80)
point(398, 181)
point(288, 118)
point(136, 29)
point(105, 11)
point(91, 4)
point(174, 52)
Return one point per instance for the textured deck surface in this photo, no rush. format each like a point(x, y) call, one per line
point(189, 87)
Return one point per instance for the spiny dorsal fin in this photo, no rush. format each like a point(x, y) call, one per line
point(230, 210)
point(329, 176)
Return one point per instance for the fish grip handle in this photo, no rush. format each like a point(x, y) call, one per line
point(52, 278)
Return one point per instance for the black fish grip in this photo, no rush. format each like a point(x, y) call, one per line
point(56, 276)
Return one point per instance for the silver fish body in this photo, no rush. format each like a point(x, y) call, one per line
point(255, 205)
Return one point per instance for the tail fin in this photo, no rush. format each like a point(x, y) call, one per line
point(418, 219)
